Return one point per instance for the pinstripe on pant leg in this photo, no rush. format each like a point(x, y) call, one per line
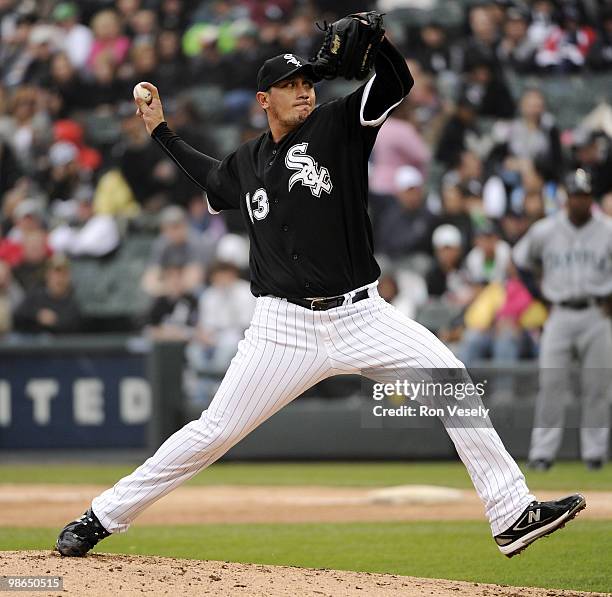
point(376, 333)
point(280, 357)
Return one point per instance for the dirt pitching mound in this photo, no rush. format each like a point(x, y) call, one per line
point(107, 574)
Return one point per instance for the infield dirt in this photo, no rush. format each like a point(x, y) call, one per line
point(54, 505)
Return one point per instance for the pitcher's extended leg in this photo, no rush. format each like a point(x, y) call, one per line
point(381, 341)
point(280, 357)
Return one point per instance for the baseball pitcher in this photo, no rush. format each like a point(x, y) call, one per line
point(302, 190)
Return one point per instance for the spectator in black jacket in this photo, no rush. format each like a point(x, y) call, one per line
point(458, 127)
point(485, 86)
point(174, 313)
point(433, 51)
point(65, 80)
point(53, 307)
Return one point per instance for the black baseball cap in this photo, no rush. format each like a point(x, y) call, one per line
point(281, 67)
point(578, 182)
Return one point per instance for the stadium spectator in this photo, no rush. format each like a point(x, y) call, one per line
point(500, 324)
point(531, 138)
point(11, 296)
point(489, 259)
point(516, 50)
point(103, 89)
point(171, 70)
point(472, 191)
point(27, 216)
point(225, 309)
point(542, 22)
point(566, 46)
point(179, 246)
point(433, 51)
point(592, 152)
point(599, 57)
point(479, 47)
point(240, 67)
point(76, 38)
point(64, 172)
point(43, 42)
point(85, 234)
point(455, 212)
point(30, 271)
point(108, 38)
point(142, 66)
point(485, 86)
point(173, 313)
point(466, 172)
point(404, 222)
point(25, 127)
point(446, 279)
point(126, 9)
point(142, 27)
point(207, 64)
point(14, 57)
point(64, 79)
point(50, 308)
point(457, 133)
point(89, 159)
point(404, 289)
point(148, 172)
point(302, 32)
point(173, 14)
point(398, 143)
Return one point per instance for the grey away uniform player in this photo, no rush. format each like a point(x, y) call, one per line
point(573, 251)
point(302, 191)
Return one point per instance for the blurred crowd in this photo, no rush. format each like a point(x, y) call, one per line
point(459, 172)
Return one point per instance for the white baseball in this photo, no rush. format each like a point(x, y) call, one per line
point(143, 93)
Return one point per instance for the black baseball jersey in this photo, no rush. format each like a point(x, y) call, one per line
point(304, 199)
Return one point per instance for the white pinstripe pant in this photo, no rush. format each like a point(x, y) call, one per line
point(286, 350)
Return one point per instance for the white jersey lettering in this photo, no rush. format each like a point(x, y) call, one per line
point(308, 171)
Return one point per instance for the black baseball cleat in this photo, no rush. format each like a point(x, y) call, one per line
point(80, 535)
point(594, 465)
point(538, 520)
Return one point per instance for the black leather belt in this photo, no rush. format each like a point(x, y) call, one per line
point(325, 303)
point(579, 304)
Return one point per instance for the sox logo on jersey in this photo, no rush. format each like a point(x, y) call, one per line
point(308, 171)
